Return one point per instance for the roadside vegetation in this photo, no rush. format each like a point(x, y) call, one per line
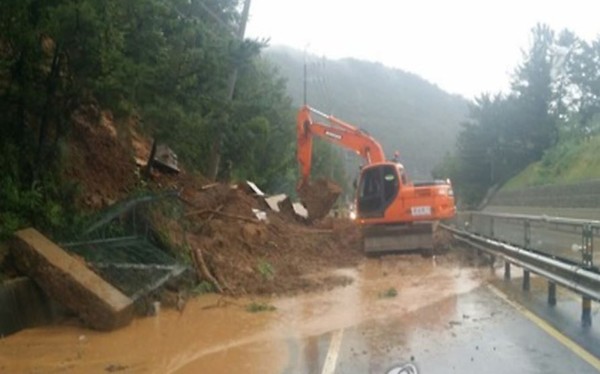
point(548, 118)
point(164, 67)
point(568, 162)
point(257, 307)
point(389, 293)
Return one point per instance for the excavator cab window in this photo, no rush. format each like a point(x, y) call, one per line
point(378, 188)
point(390, 184)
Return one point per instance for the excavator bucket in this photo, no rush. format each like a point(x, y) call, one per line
point(318, 197)
point(379, 239)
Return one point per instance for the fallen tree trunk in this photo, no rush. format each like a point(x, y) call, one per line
point(202, 270)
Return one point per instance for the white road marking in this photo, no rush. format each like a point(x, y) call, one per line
point(333, 352)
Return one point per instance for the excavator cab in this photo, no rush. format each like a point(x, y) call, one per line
point(379, 186)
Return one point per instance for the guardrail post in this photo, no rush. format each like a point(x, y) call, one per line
point(587, 245)
point(527, 233)
point(491, 227)
point(586, 311)
point(492, 262)
point(506, 270)
point(526, 283)
point(551, 293)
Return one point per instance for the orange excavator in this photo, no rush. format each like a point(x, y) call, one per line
point(394, 213)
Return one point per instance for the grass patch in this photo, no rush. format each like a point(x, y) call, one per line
point(266, 269)
point(259, 307)
point(570, 161)
point(389, 293)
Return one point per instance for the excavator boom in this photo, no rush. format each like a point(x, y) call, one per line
point(334, 131)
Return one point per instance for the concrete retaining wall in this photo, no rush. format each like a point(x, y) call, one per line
point(23, 305)
point(577, 195)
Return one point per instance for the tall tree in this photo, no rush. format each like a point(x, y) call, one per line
point(533, 86)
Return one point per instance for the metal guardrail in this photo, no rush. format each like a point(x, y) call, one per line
point(583, 281)
point(480, 230)
point(568, 239)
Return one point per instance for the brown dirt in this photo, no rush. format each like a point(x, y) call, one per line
point(318, 197)
point(245, 255)
point(248, 256)
point(100, 162)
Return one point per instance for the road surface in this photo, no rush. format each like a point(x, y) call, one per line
point(449, 316)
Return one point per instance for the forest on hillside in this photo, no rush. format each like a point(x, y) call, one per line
point(553, 104)
point(165, 66)
point(401, 110)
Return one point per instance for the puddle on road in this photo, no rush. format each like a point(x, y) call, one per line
point(218, 335)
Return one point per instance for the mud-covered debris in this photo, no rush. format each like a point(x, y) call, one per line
point(260, 215)
point(166, 159)
point(318, 197)
point(220, 222)
point(285, 206)
point(113, 368)
point(273, 201)
point(251, 188)
point(300, 210)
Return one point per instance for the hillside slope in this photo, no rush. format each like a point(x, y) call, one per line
point(568, 162)
point(403, 111)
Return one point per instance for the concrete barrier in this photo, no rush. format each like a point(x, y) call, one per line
point(69, 281)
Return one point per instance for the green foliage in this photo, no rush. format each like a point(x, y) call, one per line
point(570, 161)
point(266, 269)
point(42, 206)
point(256, 307)
point(389, 293)
point(166, 62)
point(553, 105)
point(204, 287)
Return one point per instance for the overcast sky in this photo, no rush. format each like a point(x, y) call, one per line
point(463, 46)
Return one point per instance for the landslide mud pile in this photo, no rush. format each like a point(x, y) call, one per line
point(318, 197)
point(247, 255)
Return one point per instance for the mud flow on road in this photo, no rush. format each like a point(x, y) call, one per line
point(218, 334)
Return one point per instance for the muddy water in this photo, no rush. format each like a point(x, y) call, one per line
point(218, 335)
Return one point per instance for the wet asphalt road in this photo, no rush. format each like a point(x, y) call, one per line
point(449, 316)
point(475, 332)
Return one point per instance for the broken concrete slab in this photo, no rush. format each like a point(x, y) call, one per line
point(300, 210)
point(166, 158)
point(283, 204)
point(68, 281)
point(273, 201)
point(252, 188)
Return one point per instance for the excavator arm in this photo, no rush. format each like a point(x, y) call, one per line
point(334, 131)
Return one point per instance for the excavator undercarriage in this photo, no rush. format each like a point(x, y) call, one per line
point(378, 239)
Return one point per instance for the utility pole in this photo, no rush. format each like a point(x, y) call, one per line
point(216, 147)
point(305, 72)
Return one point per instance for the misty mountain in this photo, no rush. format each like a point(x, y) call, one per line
point(402, 110)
